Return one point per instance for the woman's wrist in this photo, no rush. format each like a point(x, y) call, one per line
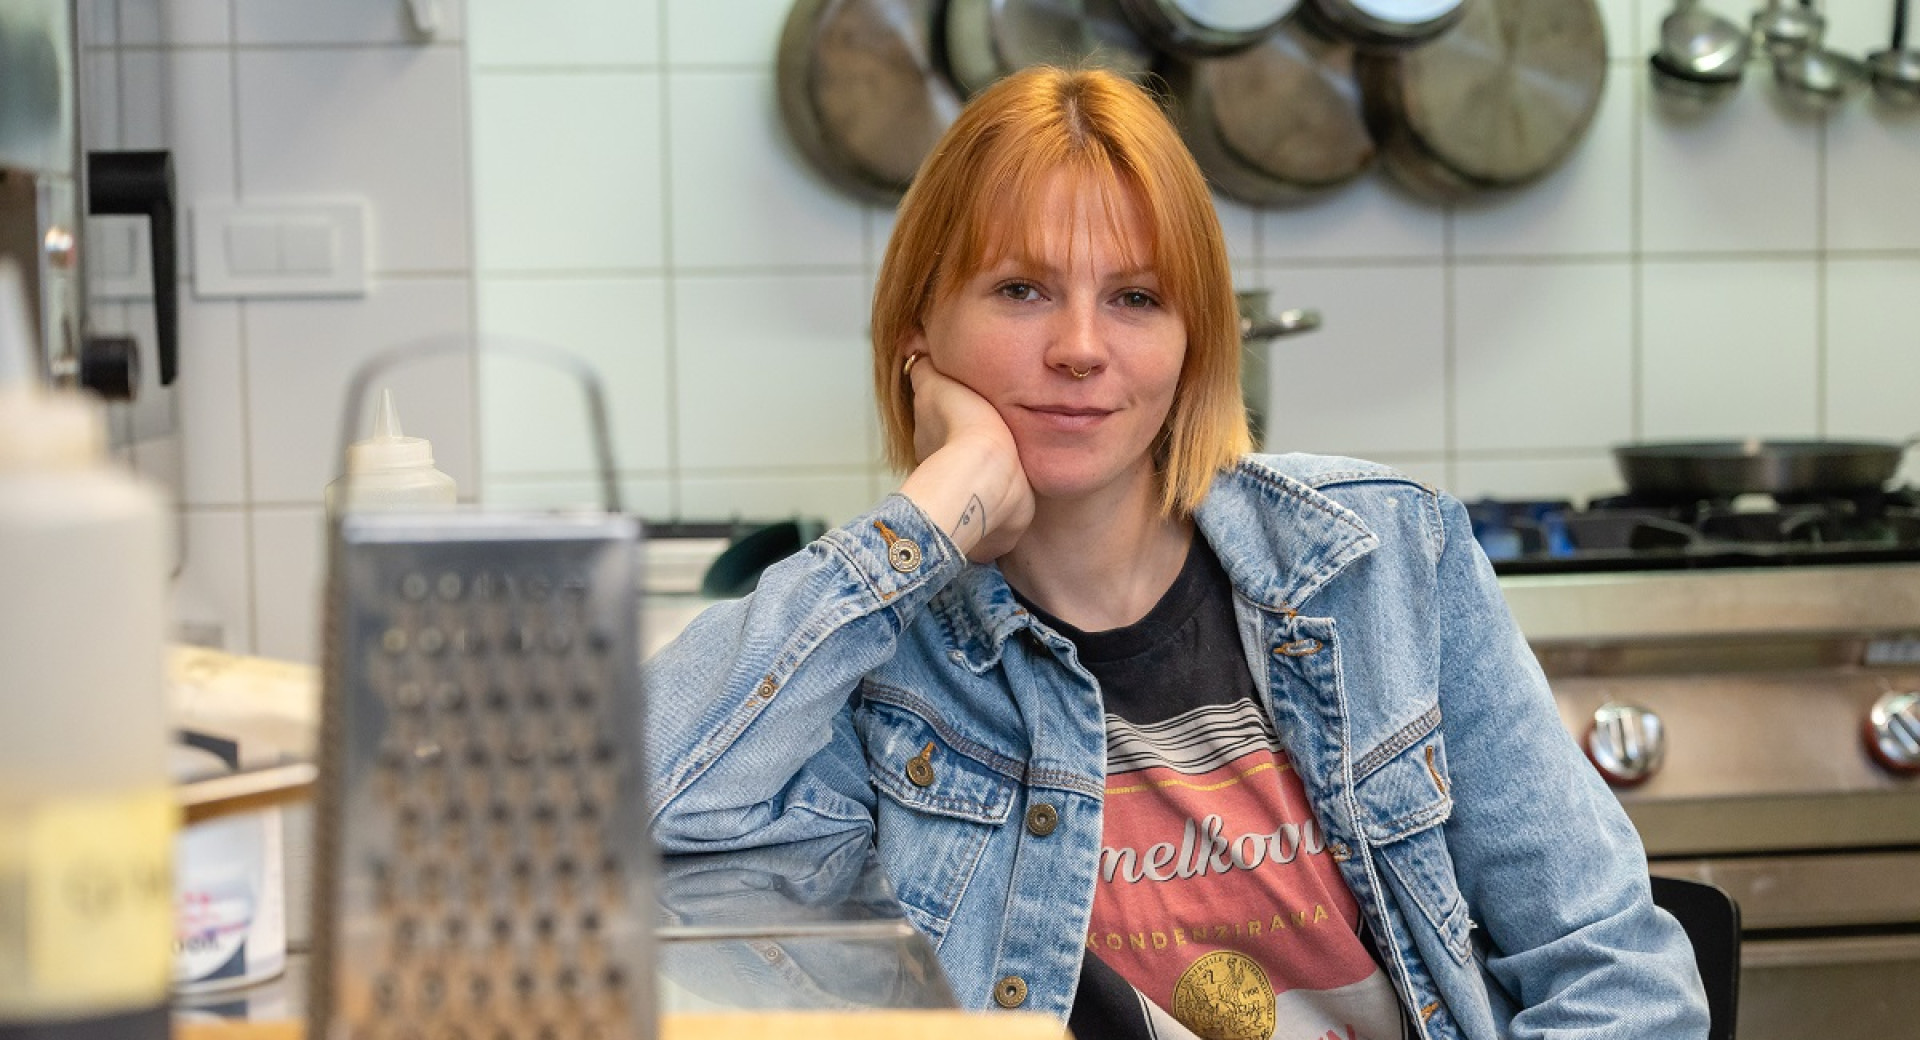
point(954, 485)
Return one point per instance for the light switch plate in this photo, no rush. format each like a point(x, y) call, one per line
point(282, 248)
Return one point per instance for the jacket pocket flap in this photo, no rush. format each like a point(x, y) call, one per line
point(911, 762)
point(1405, 789)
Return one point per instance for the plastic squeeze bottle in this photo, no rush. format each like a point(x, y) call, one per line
point(389, 470)
point(87, 810)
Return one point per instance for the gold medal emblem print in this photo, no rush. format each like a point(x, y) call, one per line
point(1226, 996)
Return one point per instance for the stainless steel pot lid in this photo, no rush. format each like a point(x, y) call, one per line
point(1204, 28)
point(859, 92)
point(988, 39)
point(1498, 101)
point(1278, 123)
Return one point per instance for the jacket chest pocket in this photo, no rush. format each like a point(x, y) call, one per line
point(1404, 796)
point(937, 810)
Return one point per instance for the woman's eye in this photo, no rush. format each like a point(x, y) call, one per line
point(1019, 291)
point(1138, 298)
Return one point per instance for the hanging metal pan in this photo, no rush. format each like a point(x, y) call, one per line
point(1205, 28)
point(1708, 469)
point(988, 39)
point(1277, 124)
point(859, 92)
point(1497, 101)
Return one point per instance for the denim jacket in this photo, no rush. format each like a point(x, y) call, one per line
point(879, 682)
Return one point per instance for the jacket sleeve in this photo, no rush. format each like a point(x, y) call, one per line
point(750, 738)
point(1549, 863)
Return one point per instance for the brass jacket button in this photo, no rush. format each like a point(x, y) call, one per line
point(1041, 820)
point(904, 554)
point(1010, 992)
point(920, 767)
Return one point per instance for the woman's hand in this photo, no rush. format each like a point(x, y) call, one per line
point(969, 478)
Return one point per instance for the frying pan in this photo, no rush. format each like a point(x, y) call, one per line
point(1279, 123)
point(859, 93)
point(1497, 101)
point(1705, 469)
point(1205, 28)
point(988, 39)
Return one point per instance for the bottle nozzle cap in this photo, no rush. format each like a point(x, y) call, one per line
point(387, 448)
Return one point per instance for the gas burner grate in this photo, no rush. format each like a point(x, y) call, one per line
point(1621, 532)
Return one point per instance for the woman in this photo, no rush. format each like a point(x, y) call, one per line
point(1151, 736)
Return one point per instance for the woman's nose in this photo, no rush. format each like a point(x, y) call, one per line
point(1077, 347)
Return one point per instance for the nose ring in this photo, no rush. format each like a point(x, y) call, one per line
point(1077, 374)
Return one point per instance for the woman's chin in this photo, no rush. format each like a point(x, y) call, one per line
point(1068, 483)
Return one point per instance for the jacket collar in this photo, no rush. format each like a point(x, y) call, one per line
point(1278, 536)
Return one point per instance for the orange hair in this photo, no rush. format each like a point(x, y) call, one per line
point(978, 193)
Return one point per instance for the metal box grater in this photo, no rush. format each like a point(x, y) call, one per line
point(482, 865)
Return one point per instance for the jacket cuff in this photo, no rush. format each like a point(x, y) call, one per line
point(897, 548)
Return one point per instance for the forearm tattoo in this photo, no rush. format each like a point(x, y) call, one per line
point(975, 513)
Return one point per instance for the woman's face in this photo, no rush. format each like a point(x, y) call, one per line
point(1077, 348)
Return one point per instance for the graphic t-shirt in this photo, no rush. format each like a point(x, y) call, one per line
point(1217, 912)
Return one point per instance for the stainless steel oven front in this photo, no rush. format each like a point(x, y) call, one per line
point(1762, 729)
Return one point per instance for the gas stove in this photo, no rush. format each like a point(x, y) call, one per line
point(1625, 533)
point(1745, 673)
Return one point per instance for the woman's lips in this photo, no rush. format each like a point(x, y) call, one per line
point(1068, 417)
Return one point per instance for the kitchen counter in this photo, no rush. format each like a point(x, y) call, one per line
point(798, 940)
point(789, 1025)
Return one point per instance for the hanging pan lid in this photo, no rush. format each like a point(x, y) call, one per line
point(1499, 100)
point(988, 39)
point(859, 92)
point(1279, 123)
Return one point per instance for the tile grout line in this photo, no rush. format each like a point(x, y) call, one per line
point(476, 368)
point(250, 534)
point(670, 273)
point(1449, 348)
point(1636, 263)
point(1820, 281)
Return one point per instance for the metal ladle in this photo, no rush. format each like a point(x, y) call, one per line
point(1785, 27)
point(1701, 55)
point(1896, 70)
point(1817, 78)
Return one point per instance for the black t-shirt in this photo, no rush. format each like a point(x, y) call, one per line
point(1217, 913)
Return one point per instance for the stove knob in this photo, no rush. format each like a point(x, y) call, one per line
point(1892, 731)
point(1626, 743)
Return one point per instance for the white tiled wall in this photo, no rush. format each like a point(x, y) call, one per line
point(265, 100)
point(611, 176)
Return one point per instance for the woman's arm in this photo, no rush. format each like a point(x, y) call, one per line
point(750, 735)
point(1548, 861)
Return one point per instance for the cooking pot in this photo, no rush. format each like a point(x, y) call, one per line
point(1708, 469)
point(1497, 101)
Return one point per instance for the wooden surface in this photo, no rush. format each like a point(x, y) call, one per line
point(789, 1025)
